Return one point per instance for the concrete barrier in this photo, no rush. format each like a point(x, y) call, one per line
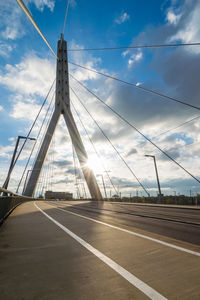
point(8, 202)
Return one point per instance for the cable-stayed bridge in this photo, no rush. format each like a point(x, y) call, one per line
point(92, 248)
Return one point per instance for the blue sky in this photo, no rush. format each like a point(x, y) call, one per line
point(27, 69)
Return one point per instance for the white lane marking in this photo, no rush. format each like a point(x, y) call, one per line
point(143, 287)
point(132, 232)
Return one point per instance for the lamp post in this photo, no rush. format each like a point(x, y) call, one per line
point(154, 159)
point(5, 185)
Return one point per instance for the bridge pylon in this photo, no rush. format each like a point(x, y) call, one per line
point(62, 106)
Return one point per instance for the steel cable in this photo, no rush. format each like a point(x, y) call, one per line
point(65, 18)
point(94, 148)
point(136, 47)
point(28, 14)
point(34, 145)
point(131, 125)
point(137, 86)
point(111, 144)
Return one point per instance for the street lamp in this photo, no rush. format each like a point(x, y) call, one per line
point(159, 189)
point(5, 185)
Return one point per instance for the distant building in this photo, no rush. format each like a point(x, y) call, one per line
point(58, 195)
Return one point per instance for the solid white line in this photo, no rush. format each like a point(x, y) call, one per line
point(133, 233)
point(143, 287)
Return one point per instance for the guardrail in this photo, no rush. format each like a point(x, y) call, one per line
point(8, 201)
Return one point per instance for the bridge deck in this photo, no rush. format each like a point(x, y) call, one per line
point(62, 255)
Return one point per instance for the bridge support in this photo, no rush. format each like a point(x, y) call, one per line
point(62, 106)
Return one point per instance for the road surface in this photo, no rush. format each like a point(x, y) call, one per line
point(93, 250)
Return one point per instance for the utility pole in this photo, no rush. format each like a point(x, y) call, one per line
point(62, 106)
point(154, 159)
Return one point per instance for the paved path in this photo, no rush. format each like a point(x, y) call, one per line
point(49, 252)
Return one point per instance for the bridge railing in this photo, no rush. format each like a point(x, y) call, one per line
point(8, 201)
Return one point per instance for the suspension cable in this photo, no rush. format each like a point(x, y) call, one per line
point(65, 17)
point(75, 173)
point(28, 14)
point(30, 130)
point(39, 147)
point(52, 160)
point(43, 135)
point(131, 125)
point(137, 86)
point(98, 155)
point(111, 144)
point(191, 144)
point(135, 47)
point(180, 125)
point(35, 144)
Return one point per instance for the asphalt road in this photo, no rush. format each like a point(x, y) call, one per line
point(178, 223)
point(54, 250)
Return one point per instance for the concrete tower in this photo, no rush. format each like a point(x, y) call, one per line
point(62, 106)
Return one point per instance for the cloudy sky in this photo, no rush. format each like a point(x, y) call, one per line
point(27, 70)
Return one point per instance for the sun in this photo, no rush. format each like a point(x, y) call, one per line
point(95, 165)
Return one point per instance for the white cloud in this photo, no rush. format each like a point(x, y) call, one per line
point(6, 151)
point(125, 53)
point(40, 4)
point(189, 29)
point(85, 60)
point(172, 18)
point(10, 15)
point(83, 75)
point(122, 18)
point(33, 75)
point(5, 49)
point(1, 107)
point(22, 110)
point(11, 139)
point(13, 19)
point(134, 58)
point(149, 113)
